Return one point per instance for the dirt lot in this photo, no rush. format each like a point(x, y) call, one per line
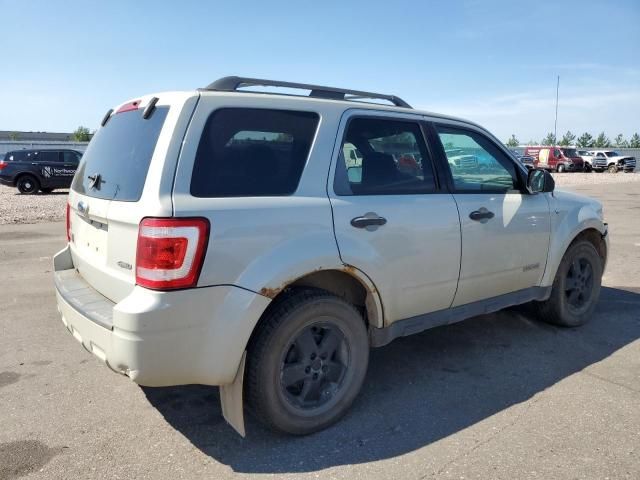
point(498, 396)
point(16, 208)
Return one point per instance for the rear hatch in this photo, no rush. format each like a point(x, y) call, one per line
point(125, 174)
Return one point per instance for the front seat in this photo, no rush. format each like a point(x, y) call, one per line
point(378, 169)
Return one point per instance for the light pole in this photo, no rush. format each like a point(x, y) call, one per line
point(555, 124)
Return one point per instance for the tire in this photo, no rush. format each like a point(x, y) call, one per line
point(612, 169)
point(46, 190)
point(575, 289)
point(588, 168)
point(321, 384)
point(561, 168)
point(28, 184)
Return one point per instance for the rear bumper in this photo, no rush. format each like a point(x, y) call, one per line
point(160, 338)
point(6, 180)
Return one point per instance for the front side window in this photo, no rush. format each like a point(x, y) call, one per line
point(476, 163)
point(247, 152)
point(383, 157)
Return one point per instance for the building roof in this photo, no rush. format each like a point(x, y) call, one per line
point(8, 135)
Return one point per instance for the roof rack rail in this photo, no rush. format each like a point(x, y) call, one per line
point(232, 84)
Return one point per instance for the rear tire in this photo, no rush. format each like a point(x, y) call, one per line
point(307, 362)
point(575, 289)
point(28, 184)
point(561, 168)
point(612, 169)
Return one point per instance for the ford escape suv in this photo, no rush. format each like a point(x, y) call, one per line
point(264, 242)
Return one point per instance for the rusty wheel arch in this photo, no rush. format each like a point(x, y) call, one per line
point(346, 282)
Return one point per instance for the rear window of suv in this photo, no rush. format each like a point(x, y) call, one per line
point(248, 152)
point(120, 152)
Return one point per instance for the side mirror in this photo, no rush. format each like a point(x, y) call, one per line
point(539, 180)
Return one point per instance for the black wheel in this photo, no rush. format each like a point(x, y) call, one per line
point(576, 288)
point(306, 363)
point(587, 168)
point(28, 184)
point(561, 168)
point(612, 169)
point(46, 190)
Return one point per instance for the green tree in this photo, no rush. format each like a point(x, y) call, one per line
point(567, 139)
point(532, 142)
point(585, 140)
point(513, 141)
point(602, 141)
point(14, 136)
point(81, 134)
point(635, 141)
point(619, 141)
point(550, 139)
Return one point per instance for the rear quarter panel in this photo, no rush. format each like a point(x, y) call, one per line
point(264, 243)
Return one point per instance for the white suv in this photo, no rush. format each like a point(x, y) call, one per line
point(221, 237)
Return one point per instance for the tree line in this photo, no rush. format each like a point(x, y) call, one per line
point(586, 140)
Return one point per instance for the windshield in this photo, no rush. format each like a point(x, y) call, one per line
point(570, 152)
point(115, 164)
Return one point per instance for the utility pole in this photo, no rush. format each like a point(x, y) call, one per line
point(555, 125)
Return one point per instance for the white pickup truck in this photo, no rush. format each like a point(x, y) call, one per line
point(612, 161)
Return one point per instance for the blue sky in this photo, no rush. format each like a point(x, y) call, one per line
point(63, 64)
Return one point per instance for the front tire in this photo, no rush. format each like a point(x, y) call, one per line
point(612, 169)
point(28, 185)
point(576, 287)
point(561, 168)
point(307, 362)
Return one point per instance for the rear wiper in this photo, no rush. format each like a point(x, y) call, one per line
point(95, 180)
point(151, 106)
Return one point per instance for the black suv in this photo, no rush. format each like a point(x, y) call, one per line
point(33, 170)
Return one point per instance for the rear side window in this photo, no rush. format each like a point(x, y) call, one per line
point(384, 157)
point(48, 156)
point(247, 152)
point(21, 156)
point(120, 153)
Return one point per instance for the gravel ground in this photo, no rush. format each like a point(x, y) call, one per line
point(16, 208)
point(567, 179)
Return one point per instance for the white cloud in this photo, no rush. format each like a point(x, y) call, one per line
point(530, 115)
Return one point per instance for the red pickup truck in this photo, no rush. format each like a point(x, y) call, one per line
point(560, 159)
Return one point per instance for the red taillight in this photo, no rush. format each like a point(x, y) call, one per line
point(68, 217)
point(170, 252)
point(3, 164)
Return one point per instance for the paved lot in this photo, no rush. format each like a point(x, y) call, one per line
point(499, 396)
